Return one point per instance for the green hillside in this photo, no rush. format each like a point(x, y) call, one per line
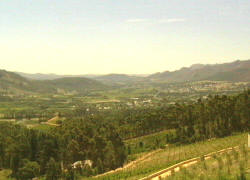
point(12, 83)
point(78, 84)
point(119, 79)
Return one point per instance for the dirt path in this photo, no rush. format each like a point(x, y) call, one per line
point(50, 121)
point(184, 164)
point(53, 119)
point(147, 135)
point(131, 164)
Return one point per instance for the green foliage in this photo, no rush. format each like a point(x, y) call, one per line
point(174, 154)
point(218, 116)
point(5, 174)
point(88, 133)
point(86, 138)
point(22, 149)
point(53, 170)
point(28, 170)
point(20, 145)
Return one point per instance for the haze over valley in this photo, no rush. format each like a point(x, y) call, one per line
point(124, 90)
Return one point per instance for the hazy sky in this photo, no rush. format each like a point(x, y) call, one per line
point(121, 36)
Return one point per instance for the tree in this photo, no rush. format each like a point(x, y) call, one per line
point(29, 170)
point(53, 171)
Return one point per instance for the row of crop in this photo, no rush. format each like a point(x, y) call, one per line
point(233, 165)
point(174, 154)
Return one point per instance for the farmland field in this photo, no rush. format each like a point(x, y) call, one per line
point(231, 165)
point(174, 154)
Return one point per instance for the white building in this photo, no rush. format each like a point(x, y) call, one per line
point(82, 164)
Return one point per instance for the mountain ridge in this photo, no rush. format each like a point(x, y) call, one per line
point(14, 83)
point(191, 73)
point(234, 71)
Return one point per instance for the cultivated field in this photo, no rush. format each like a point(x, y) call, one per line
point(234, 164)
point(171, 155)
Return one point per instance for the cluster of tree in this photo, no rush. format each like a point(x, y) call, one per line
point(89, 134)
point(130, 122)
point(136, 122)
point(28, 114)
point(26, 152)
point(89, 139)
point(217, 116)
point(32, 153)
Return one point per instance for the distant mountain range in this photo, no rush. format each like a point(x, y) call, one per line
point(118, 78)
point(109, 78)
point(40, 76)
point(16, 84)
point(235, 71)
point(51, 83)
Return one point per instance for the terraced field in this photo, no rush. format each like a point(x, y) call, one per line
point(171, 155)
point(234, 164)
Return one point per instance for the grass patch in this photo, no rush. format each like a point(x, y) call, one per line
point(147, 143)
point(42, 127)
point(4, 174)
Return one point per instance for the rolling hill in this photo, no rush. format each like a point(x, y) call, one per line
point(51, 76)
point(15, 84)
point(118, 78)
point(109, 78)
point(51, 83)
point(39, 76)
point(78, 84)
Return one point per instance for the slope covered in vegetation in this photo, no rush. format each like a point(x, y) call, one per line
point(32, 153)
point(12, 83)
point(98, 136)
